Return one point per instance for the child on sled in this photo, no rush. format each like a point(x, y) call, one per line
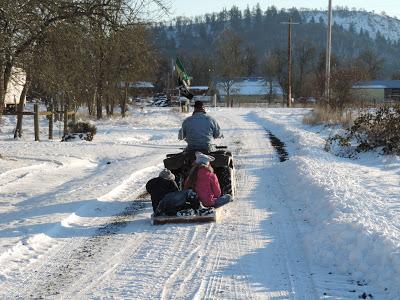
point(204, 182)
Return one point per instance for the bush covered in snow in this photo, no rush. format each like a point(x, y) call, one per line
point(83, 127)
point(373, 130)
point(80, 130)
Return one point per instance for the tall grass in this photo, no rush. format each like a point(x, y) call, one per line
point(322, 115)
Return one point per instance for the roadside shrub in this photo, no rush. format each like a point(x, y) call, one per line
point(340, 145)
point(82, 127)
point(80, 131)
point(379, 129)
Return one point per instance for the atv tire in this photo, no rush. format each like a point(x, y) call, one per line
point(226, 178)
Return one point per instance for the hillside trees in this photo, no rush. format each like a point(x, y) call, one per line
point(356, 55)
point(262, 29)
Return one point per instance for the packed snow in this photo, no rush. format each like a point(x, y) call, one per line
point(75, 218)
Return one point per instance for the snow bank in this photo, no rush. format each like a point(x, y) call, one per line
point(345, 208)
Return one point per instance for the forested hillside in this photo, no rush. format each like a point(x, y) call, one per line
point(261, 33)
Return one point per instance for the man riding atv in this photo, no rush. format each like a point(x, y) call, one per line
point(199, 130)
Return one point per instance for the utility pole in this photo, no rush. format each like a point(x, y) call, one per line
point(328, 53)
point(289, 92)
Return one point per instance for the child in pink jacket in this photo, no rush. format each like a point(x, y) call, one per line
point(205, 183)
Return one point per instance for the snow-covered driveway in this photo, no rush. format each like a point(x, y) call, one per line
point(74, 218)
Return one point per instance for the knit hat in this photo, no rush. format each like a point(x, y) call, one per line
point(166, 174)
point(203, 159)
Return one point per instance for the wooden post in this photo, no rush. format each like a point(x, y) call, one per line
point(328, 54)
point(36, 121)
point(289, 87)
point(65, 119)
point(289, 94)
point(50, 117)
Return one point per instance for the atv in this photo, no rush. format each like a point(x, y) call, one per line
point(181, 163)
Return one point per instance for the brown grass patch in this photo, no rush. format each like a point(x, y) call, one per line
point(321, 115)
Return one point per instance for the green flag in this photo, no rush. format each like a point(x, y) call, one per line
point(180, 69)
point(183, 80)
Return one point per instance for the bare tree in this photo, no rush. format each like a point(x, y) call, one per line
point(305, 54)
point(396, 75)
point(250, 60)
point(275, 69)
point(25, 24)
point(342, 80)
point(229, 62)
point(370, 64)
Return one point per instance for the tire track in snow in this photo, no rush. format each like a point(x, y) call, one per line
point(14, 175)
point(214, 283)
point(291, 251)
point(153, 265)
point(62, 263)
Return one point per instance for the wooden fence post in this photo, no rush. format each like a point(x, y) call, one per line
point(51, 117)
point(36, 121)
point(65, 119)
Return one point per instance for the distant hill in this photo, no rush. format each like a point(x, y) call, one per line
point(353, 32)
point(360, 21)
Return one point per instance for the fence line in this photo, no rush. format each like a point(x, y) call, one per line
point(50, 116)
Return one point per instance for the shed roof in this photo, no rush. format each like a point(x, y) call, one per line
point(141, 84)
point(199, 87)
point(377, 84)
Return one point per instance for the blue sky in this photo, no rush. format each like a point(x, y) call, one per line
point(191, 8)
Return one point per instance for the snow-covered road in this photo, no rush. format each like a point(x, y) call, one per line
point(74, 218)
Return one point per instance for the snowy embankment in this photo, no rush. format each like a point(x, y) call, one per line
point(73, 223)
point(51, 191)
point(349, 209)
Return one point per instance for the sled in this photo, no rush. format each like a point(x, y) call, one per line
point(214, 216)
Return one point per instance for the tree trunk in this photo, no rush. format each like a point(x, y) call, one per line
point(270, 93)
point(91, 104)
point(21, 104)
point(228, 96)
point(124, 100)
point(108, 110)
point(301, 78)
point(2, 92)
point(112, 107)
point(99, 100)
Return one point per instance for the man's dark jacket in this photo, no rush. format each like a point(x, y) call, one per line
point(158, 187)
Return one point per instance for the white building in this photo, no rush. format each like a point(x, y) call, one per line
point(14, 88)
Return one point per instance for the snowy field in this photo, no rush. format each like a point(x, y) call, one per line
point(74, 217)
